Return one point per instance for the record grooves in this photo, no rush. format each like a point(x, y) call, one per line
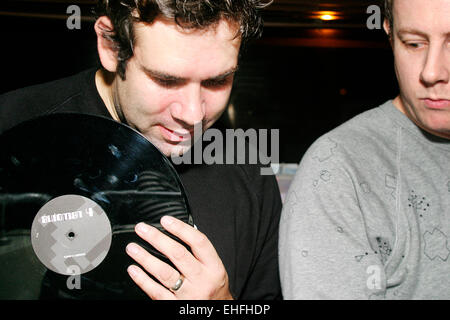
point(72, 188)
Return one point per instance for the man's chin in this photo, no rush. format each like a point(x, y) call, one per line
point(174, 151)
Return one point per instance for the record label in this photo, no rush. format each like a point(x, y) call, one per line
point(71, 234)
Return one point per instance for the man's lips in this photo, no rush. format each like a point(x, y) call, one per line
point(176, 136)
point(437, 103)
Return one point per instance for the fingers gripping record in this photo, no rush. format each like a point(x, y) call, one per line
point(197, 275)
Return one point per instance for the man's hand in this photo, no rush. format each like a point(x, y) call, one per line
point(202, 272)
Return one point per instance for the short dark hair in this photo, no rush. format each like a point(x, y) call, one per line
point(190, 14)
point(389, 14)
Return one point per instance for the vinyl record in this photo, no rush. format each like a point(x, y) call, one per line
point(72, 189)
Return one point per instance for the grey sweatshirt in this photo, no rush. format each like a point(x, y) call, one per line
point(368, 213)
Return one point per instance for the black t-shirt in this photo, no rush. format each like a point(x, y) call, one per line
point(234, 205)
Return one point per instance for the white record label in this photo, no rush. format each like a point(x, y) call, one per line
point(71, 234)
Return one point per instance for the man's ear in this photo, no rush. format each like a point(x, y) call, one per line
point(387, 29)
point(106, 49)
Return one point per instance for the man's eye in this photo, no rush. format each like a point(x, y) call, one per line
point(414, 45)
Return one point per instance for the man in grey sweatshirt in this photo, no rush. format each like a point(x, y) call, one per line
point(368, 213)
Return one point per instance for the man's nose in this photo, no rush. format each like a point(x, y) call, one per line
point(437, 66)
point(190, 109)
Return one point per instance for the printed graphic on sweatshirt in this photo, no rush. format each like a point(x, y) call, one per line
point(436, 245)
point(419, 203)
point(383, 249)
point(326, 150)
point(324, 176)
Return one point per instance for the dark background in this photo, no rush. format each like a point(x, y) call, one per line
point(305, 76)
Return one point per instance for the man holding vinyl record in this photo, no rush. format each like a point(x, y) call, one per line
point(168, 70)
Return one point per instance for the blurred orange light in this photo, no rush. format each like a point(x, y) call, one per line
point(327, 15)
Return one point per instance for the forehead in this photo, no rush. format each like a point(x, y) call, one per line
point(165, 46)
point(428, 16)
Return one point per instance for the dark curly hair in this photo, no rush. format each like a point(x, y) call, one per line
point(189, 14)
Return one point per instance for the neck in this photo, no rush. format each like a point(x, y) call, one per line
point(104, 82)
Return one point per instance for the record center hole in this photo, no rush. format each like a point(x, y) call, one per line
point(71, 235)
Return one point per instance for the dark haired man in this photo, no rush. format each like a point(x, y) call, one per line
point(168, 67)
point(368, 214)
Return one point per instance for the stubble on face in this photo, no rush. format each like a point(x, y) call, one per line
point(175, 81)
point(420, 41)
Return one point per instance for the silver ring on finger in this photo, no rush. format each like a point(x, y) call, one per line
point(178, 284)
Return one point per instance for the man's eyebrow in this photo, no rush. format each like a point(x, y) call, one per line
point(402, 32)
point(171, 77)
point(225, 74)
point(162, 75)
